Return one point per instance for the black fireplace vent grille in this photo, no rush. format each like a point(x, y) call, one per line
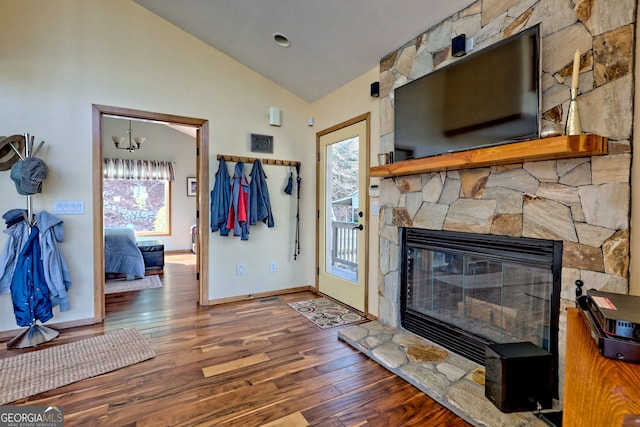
point(456, 340)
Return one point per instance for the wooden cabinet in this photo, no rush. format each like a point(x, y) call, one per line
point(598, 391)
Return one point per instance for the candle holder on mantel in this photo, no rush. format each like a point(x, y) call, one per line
point(573, 126)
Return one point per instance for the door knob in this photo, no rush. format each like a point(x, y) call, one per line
point(359, 227)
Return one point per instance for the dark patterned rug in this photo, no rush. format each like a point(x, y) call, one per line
point(325, 313)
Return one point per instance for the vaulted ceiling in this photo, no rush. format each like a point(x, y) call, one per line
point(331, 41)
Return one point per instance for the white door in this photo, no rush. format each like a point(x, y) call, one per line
point(342, 214)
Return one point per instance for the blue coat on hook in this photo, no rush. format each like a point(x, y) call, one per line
point(221, 199)
point(260, 205)
point(238, 218)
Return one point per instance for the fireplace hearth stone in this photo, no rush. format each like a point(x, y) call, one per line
point(451, 380)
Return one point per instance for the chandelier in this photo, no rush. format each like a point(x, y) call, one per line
point(134, 143)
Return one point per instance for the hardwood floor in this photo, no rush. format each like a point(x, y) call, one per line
point(250, 363)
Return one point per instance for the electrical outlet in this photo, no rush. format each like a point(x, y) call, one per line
point(273, 267)
point(239, 270)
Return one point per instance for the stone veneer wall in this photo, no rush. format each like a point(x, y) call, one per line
point(584, 202)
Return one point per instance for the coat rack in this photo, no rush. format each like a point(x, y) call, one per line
point(34, 334)
point(253, 159)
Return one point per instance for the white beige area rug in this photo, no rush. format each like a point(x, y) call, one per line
point(325, 313)
point(147, 282)
point(38, 371)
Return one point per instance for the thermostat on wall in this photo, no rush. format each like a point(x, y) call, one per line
point(374, 190)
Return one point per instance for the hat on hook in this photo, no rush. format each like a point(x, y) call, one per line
point(16, 176)
point(8, 156)
point(28, 175)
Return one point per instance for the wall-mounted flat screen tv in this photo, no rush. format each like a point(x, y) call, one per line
point(486, 98)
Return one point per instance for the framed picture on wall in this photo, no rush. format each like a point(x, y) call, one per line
point(192, 186)
point(261, 143)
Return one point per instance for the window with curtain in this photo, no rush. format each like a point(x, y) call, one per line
point(137, 194)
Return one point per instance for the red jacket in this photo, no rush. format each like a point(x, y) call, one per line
point(238, 218)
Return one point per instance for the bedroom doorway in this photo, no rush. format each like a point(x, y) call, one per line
point(101, 113)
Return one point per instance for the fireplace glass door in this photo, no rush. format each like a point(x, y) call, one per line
point(465, 291)
point(502, 301)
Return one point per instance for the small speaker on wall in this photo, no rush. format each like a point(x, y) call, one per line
point(458, 45)
point(375, 89)
point(275, 116)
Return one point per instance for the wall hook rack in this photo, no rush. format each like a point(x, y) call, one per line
point(244, 159)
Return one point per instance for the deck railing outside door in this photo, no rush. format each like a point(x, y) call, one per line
point(344, 249)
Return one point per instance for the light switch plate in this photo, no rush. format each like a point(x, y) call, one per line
point(375, 208)
point(68, 207)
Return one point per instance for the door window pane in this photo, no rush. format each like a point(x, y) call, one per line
point(342, 169)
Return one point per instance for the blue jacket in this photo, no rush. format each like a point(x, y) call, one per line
point(221, 199)
point(18, 231)
point(29, 291)
point(260, 206)
point(55, 268)
point(240, 203)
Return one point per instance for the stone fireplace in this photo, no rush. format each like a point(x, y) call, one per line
point(582, 202)
point(514, 201)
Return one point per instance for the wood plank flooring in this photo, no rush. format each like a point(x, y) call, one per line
point(250, 363)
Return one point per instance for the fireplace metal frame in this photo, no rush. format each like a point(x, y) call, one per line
point(539, 252)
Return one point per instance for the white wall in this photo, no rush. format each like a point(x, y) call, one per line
point(166, 144)
point(349, 101)
point(59, 58)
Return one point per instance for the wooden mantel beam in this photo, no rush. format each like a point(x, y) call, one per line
point(559, 147)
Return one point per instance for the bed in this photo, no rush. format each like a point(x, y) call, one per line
point(121, 254)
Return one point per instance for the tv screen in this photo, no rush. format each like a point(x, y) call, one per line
point(486, 98)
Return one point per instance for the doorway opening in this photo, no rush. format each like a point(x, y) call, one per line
point(99, 113)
